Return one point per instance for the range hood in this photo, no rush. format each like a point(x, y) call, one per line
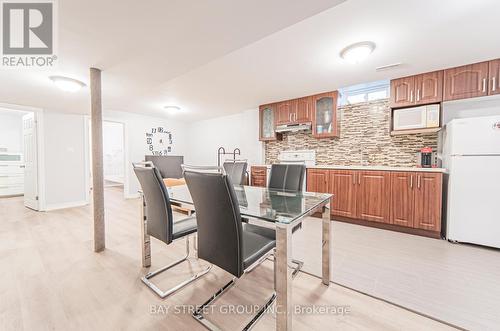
point(293, 127)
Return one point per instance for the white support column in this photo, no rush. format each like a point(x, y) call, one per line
point(97, 160)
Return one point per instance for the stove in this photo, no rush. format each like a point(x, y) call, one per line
point(307, 157)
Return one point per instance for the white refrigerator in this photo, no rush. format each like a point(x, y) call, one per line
point(471, 153)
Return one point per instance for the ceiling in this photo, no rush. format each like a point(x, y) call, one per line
point(220, 57)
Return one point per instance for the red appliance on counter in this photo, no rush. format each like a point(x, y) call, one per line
point(427, 158)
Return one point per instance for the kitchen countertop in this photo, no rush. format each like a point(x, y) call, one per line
point(375, 168)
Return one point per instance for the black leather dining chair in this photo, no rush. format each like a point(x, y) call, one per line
point(223, 239)
point(236, 170)
point(288, 177)
point(160, 223)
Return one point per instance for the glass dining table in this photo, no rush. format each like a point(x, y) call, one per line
point(283, 209)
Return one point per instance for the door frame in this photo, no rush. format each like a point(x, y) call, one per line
point(126, 169)
point(40, 146)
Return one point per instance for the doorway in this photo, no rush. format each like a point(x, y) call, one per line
point(113, 150)
point(113, 154)
point(19, 155)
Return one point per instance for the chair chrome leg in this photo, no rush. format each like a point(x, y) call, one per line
point(163, 294)
point(198, 314)
point(298, 264)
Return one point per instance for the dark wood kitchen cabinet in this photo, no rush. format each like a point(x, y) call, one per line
point(324, 109)
point(417, 90)
point(267, 123)
point(403, 92)
point(317, 180)
point(402, 196)
point(467, 81)
point(343, 186)
point(304, 112)
point(373, 196)
point(258, 176)
point(405, 201)
point(494, 75)
point(416, 200)
point(287, 112)
point(427, 201)
point(429, 88)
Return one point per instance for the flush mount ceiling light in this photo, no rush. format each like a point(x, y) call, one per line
point(67, 84)
point(172, 109)
point(357, 52)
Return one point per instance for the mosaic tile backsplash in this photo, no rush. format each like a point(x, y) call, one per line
point(364, 140)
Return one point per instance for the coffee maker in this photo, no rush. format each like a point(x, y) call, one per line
point(426, 158)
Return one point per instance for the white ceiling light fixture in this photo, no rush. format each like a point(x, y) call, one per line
point(357, 52)
point(67, 84)
point(172, 109)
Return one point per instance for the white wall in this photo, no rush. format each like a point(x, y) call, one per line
point(234, 131)
point(136, 148)
point(65, 170)
point(11, 131)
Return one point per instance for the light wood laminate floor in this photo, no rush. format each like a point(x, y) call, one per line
point(50, 279)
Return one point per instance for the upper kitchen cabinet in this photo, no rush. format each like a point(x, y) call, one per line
point(466, 82)
point(324, 107)
point(429, 88)
point(267, 123)
point(304, 110)
point(403, 92)
point(417, 90)
point(494, 75)
point(287, 112)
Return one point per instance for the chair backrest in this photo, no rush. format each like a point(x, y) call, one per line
point(168, 165)
point(236, 171)
point(218, 218)
point(158, 209)
point(288, 177)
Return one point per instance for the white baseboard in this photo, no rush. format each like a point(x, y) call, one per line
point(65, 205)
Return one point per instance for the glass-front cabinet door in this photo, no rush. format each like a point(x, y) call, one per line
point(267, 118)
point(325, 115)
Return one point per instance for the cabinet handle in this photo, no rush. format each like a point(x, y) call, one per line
point(494, 84)
point(411, 96)
point(418, 94)
point(354, 179)
point(418, 181)
point(411, 181)
point(484, 84)
point(359, 179)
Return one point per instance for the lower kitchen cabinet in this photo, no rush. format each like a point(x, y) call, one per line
point(373, 190)
point(427, 203)
point(343, 184)
point(396, 200)
point(317, 180)
point(258, 176)
point(416, 200)
point(402, 197)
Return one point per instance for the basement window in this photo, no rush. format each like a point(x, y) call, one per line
point(364, 92)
